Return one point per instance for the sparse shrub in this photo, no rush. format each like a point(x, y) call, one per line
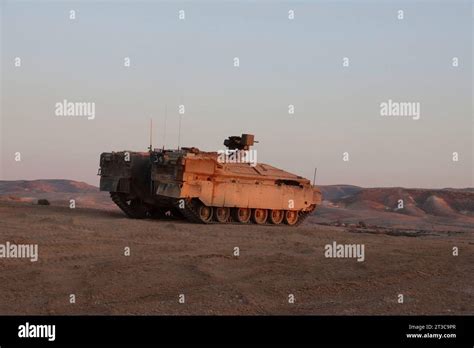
point(43, 202)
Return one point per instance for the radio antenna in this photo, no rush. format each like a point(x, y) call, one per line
point(151, 134)
point(164, 128)
point(314, 177)
point(179, 132)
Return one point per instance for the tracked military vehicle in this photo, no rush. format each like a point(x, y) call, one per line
point(208, 187)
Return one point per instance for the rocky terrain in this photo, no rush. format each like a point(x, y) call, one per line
point(82, 251)
point(425, 210)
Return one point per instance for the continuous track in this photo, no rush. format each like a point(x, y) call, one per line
point(190, 213)
point(128, 209)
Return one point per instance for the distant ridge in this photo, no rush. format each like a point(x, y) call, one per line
point(57, 191)
point(45, 186)
point(336, 192)
point(416, 202)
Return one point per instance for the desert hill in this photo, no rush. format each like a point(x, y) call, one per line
point(336, 192)
point(441, 202)
point(45, 186)
point(56, 191)
point(423, 209)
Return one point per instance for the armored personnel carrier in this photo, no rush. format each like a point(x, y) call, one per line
point(208, 187)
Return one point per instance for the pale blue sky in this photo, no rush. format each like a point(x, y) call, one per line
point(282, 62)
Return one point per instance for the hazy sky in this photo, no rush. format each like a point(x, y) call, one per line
point(282, 62)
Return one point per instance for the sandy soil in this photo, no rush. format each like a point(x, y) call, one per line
point(81, 252)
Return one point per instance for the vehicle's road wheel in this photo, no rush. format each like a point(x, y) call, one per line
point(204, 212)
point(221, 214)
point(241, 215)
point(259, 216)
point(276, 216)
point(291, 217)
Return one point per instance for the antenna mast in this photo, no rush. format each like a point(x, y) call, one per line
point(151, 134)
point(164, 128)
point(314, 177)
point(179, 132)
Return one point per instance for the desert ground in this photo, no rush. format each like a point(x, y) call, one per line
point(81, 252)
